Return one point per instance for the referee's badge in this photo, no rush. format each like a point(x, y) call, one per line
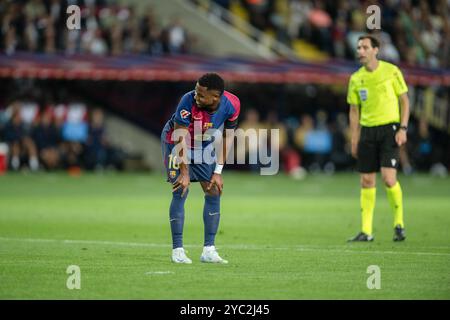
point(363, 93)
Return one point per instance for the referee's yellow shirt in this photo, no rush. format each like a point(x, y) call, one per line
point(377, 94)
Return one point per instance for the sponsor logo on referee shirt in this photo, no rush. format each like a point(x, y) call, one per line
point(363, 94)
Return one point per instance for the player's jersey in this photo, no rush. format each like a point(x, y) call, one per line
point(377, 94)
point(189, 115)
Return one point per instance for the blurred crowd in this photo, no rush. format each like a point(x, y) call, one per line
point(415, 32)
point(316, 142)
point(56, 136)
point(107, 28)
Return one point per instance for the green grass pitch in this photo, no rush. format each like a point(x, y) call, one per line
point(284, 239)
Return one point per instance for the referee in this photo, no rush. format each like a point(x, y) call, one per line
point(378, 128)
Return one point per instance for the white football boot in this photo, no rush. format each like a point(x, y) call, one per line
point(179, 256)
point(210, 255)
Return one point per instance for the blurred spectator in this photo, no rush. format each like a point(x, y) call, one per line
point(249, 151)
point(290, 159)
point(298, 18)
point(427, 155)
point(315, 143)
point(259, 11)
point(151, 34)
point(47, 138)
point(106, 29)
point(416, 32)
point(388, 51)
point(21, 146)
point(340, 151)
point(321, 27)
point(96, 145)
point(177, 36)
point(99, 153)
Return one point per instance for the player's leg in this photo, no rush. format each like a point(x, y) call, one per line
point(368, 165)
point(395, 197)
point(389, 162)
point(32, 154)
point(367, 202)
point(15, 155)
point(211, 213)
point(176, 210)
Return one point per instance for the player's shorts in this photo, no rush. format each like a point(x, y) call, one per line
point(197, 171)
point(377, 148)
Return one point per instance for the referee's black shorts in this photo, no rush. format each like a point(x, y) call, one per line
point(377, 148)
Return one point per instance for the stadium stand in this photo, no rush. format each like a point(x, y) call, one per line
point(291, 62)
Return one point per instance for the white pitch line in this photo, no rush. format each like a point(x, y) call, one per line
point(159, 272)
point(306, 248)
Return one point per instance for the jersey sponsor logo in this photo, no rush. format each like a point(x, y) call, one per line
point(213, 213)
point(363, 94)
point(184, 113)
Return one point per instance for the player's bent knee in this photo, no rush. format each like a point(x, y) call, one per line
point(389, 181)
point(368, 181)
point(179, 192)
point(214, 192)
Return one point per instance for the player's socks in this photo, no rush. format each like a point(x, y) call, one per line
point(176, 215)
point(15, 163)
point(211, 218)
point(368, 196)
point(394, 195)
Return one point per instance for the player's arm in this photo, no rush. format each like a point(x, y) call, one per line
point(227, 142)
point(183, 179)
point(222, 154)
point(400, 137)
point(355, 128)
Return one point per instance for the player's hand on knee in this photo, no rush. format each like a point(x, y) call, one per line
point(216, 180)
point(183, 181)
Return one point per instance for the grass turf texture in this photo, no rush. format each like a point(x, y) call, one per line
point(284, 239)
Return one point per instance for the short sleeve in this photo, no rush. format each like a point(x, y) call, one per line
point(183, 114)
point(399, 83)
point(232, 121)
point(352, 94)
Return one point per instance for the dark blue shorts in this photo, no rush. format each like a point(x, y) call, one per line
point(197, 171)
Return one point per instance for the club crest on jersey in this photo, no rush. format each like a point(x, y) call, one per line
point(172, 174)
point(363, 93)
point(184, 113)
point(207, 125)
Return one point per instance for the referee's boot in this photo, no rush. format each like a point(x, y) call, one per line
point(399, 233)
point(361, 237)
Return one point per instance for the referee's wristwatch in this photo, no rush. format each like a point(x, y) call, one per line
point(404, 128)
